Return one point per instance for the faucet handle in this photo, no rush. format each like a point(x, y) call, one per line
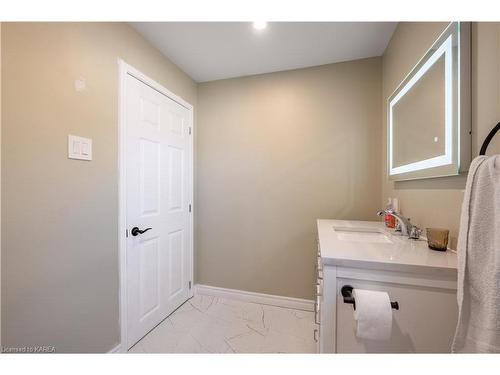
point(415, 232)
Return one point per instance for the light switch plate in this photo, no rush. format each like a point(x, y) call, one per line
point(79, 148)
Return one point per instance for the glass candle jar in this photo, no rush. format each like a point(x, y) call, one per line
point(437, 238)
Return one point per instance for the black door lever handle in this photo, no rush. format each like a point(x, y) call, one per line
point(136, 231)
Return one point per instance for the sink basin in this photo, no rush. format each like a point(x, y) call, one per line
point(366, 235)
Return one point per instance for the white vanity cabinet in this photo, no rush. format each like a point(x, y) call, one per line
point(422, 281)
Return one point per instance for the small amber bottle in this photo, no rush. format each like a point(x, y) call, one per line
point(390, 221)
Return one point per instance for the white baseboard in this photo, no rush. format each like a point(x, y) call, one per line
point(116, 349)
point(265, 299)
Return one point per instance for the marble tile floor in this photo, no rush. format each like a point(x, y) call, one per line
point(207, 324)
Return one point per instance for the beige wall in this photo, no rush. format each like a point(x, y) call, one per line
point(437, 202)
point(276, 152)
point(486, 84)
point(59, 218)
point(0, 184)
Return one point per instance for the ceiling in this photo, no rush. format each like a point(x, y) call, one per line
point(208, 51)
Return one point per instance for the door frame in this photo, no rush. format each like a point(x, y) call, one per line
point(125, 69)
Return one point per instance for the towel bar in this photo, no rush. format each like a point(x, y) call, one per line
point(346, 292)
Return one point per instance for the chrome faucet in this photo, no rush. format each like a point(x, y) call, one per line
point(407, 228)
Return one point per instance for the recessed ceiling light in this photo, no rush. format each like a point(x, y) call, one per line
point(259, 25)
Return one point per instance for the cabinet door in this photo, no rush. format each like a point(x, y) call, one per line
point(424, 323)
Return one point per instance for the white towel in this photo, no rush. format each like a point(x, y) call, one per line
point(478, 295)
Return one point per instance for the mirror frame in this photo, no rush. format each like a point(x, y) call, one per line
point(458, 140)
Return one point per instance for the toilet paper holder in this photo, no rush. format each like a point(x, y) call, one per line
point(346, 292)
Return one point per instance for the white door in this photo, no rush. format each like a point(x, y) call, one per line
point(158, 190)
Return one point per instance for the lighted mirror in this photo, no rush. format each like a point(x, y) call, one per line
point(429, 113)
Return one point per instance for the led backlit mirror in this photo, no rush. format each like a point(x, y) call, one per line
point(429, 113)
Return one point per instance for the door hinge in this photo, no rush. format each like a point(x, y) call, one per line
point(190, 207)
point(126, 233)
point(189, 284)
point(190, 130)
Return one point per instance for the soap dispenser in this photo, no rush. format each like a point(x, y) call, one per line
point(390, 221)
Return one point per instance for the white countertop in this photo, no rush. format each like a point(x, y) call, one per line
point(402, 254)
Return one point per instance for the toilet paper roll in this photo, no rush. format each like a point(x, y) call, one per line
point(373, 314)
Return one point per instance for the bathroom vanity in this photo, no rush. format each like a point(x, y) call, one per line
point(367, 255)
